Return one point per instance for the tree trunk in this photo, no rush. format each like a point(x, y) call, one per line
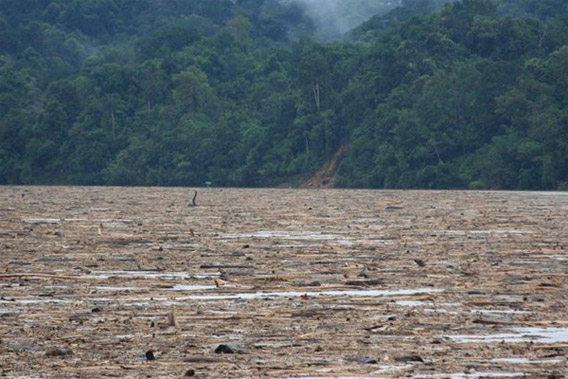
point(316, 89)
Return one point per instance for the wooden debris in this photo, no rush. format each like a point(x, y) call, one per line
point(31, 275)
point(336, 290)
point(172, 322)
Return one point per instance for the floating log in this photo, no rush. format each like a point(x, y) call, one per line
point(38, 276)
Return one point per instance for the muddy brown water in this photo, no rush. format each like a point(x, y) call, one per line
point(301, 283)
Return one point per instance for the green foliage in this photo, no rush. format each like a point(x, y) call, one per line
point(238, 92)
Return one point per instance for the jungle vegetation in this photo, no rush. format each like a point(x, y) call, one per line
point(468, 94)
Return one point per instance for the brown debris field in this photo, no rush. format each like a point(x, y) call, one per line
point(285, 283)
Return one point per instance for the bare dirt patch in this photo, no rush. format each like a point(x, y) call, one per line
point(133, 282)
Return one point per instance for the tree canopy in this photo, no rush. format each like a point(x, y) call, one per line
point(432, 94)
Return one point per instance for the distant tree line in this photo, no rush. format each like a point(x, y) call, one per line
point(238, 93)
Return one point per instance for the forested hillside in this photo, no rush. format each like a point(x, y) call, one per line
point(248, 93)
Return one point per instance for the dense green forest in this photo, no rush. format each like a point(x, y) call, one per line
point(470, 94)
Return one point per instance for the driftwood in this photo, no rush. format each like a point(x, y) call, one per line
point(550, 347)
point(38, 276)
point(528, 323)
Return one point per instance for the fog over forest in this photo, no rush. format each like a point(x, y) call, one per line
point(334, 18)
